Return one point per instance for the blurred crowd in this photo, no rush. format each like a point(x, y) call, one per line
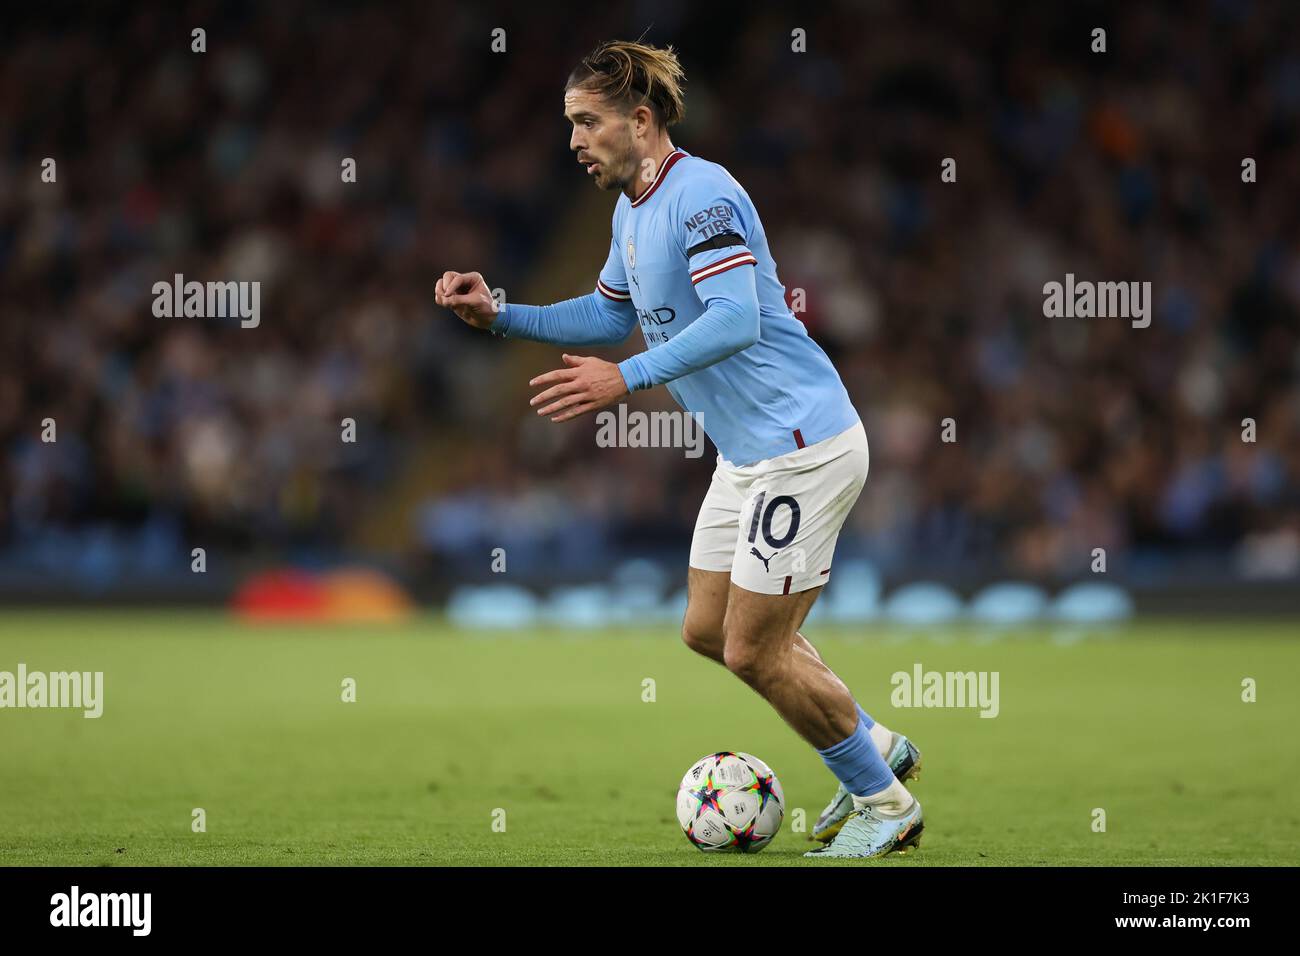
point(1071, 434)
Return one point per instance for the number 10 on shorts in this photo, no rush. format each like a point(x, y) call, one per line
point(762, 520)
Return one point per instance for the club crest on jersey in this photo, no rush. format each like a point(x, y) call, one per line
point(631, 253)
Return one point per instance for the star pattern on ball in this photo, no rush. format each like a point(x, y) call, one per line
point(708, 797)
point(716, 783)
point(765, 785)
point(742, 840)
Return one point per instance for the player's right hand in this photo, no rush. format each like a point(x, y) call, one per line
point(467, 294)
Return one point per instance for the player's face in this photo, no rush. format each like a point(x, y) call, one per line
point(602, 138)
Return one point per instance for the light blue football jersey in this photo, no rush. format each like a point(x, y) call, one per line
point(694, 224)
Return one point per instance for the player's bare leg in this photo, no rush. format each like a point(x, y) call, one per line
point(702, 632)
point(706, 607)
point(758, 633)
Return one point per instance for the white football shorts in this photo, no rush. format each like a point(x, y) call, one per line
point(774, 524)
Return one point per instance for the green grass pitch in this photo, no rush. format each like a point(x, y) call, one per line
point(1145, 722)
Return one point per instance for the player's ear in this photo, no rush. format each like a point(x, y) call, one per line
point(643, 119)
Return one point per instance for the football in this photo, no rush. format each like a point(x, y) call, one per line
point(730, 802)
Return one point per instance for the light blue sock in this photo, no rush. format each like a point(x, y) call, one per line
point(866, 718)
point(857, 763)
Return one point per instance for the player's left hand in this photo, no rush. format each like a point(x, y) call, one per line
point(584, 386)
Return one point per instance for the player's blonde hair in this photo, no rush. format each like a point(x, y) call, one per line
point(630, 74)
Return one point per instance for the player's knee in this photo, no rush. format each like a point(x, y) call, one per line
point(752, 664)
point(702, 638)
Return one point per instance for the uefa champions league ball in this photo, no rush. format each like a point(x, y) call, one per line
point(730, 802)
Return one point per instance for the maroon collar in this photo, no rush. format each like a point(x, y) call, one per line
point(669, 161)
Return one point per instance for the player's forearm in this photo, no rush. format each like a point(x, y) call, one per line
point(728, 325)
point(586, 320)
